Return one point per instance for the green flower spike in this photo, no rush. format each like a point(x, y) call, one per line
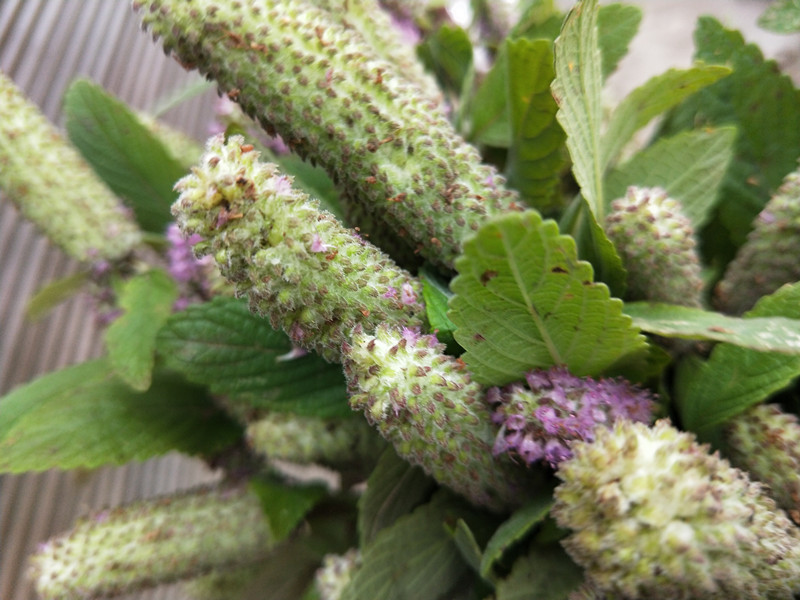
point(657, 246)
point(297, 264)
point(325, 91)
point(424, 403)
point(765, 442)
point(769, 257)
point(330, 442)
point(55, 188)
point(152, 542)
point(654, 515)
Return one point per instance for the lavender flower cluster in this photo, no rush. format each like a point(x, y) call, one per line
point(540, 422)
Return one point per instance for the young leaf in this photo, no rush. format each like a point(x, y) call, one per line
point(577, 90)
point(513, 530)
point(689, 166)
point(130, 159)
point(448, 54)
point(283, 505)
point(83, 416)
point(765, 334)
point(765, 107)
point(236, 353)
point(414, 558)
point(394, 489)
point(54, 293)
point(735, 378)
point(524, 300)
point(782, 16)
point(436, 296)
point(543, 574)
point(541, 20)
point(147, 300)
point(650, 100)
point(535, 157)
point(617, 24)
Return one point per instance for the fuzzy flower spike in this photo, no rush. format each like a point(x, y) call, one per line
point(296, 263)
point(654, 515)
point(540, 422)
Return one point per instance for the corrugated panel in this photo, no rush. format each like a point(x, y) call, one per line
point(44, 45)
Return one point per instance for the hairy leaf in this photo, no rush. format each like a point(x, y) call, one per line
point(782, 16)
point(128, 157)
point(238, 354)
point(765, 334)
point(650, 100)
point(524, 300)
point(546, 573)
point(577, 90)
point(535, 158)
point(689, 166)
point(147, 300)
point(735, 378)
point(84, 416)
point(617, 24)
point(394, 489)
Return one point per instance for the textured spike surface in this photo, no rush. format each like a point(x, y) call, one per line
point(325, 91)
point(55, 188)
point(152, 542)
point(769, 257)
point(657, 246)
point(765, 442)
point(654, 515)
point(425, 404)
point(297, 264)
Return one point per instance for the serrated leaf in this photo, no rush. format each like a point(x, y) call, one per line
point(765, 334)
point(147, 300)
point(285, 506)
point(735, 378)
point(764, 106)
point(54, 293)
point(84, 416)
point(650, 100)
point(130, 159)
point(448, 53)
point(513, 530)
point(782, 16)
point(617, 25)
point(238, 354)
point(394, 489)
point(414, 558)
point(535, 158)
point(543, 574)
point(577, 90)
point(524, 301)
point(436, 297)
point(689, 166)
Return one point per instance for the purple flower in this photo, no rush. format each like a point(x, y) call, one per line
point(540, 421)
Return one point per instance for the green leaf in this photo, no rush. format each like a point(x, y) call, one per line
point(54, 293)
point(514, 530)
point(394, 489)
point(541, 20)
point(283, 505)
point(617, 25)
point(764, 106)
point(524, 300)
point(448, 53)
point(147, 300)
point(414, 558)
point(650, 100)
point(689, 166)
point(130, 159)
point(467, 544)
point(236, 353)
point(83, 416)
point(577, 90)
point(489, 118)
point(535, 158)
point(436, 296)
point(766, 334)
point(543, 574)
point(782, 16)
point(735, 378)
point(595, 247)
